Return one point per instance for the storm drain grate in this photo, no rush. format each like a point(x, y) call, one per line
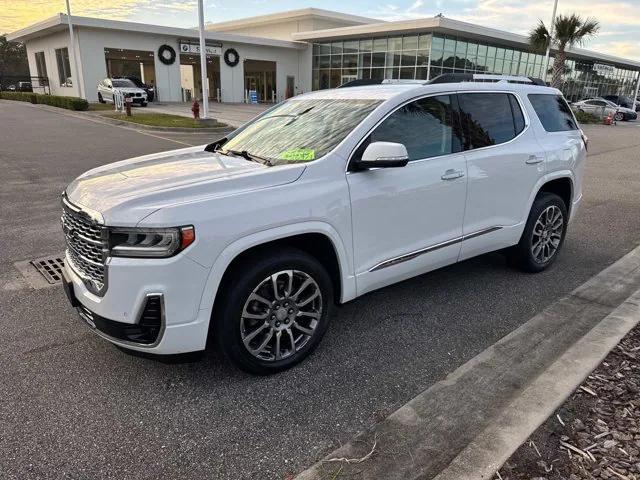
point(50, 268)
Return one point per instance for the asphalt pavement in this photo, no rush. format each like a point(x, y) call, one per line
point(73, 406)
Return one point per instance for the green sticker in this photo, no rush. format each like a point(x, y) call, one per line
point(298, 154)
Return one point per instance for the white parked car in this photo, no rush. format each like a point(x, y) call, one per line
point(602, 107)
point(251, 240)
point(108, 86)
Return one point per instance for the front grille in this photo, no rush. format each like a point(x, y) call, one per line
point(86, 244)
point(138, 95)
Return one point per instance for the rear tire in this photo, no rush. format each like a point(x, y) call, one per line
point(543, 234)
point(274, 310)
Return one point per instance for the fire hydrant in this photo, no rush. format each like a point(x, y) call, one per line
point(195, 108)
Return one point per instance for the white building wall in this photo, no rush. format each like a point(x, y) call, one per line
point(93, 41)
point(287, 63)
point(48, 45)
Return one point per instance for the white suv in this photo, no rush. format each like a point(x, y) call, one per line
point(251, 240)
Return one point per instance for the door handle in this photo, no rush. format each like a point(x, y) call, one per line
point(533, 159)
point(452, 174)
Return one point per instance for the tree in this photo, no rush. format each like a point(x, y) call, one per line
point(568, 31)
point(13, 58)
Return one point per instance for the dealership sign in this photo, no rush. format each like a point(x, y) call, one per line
point(602, 69)
point(195, 48)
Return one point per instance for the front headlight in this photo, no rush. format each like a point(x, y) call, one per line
point(149, 242)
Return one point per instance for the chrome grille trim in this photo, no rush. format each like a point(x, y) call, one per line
point(87, 246)
point(438, 246)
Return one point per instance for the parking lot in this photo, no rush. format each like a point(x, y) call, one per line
point(74, 406)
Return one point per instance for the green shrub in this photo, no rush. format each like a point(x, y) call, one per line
point(584, 117)
point(70, 103)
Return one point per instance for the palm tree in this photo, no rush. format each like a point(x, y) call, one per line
point(569, 30)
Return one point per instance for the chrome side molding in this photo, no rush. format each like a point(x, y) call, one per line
point(437, 246)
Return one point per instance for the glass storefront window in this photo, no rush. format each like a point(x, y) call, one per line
point(364, 60)
point(377, 59)
point(437, 43)
point(350, 46)
point(424, 42)
point(350, 60)
point(379, 44)
point(450, 44)
point(395, 43)
point(410, 43)
point(393, 59)
point(408, 57)
point(366, 45)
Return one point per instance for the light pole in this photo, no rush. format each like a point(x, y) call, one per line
point(72, 52)
point(203, 61)
point(546, 57)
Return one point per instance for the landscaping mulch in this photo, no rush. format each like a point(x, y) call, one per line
point(595, 434)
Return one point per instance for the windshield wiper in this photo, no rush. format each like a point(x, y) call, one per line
point(248, 156)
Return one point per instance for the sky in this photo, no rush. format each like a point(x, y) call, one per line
point(619, 19)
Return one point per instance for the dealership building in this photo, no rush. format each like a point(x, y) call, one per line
point(280, 55)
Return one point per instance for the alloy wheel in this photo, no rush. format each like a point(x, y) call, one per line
point(547, 234)
point(280, 315)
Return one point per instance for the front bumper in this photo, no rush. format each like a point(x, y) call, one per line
point(125, 314)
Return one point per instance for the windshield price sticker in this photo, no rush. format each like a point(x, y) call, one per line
point(298, 154)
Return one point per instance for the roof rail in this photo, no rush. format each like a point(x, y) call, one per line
point(484, 77)
point(360, 82)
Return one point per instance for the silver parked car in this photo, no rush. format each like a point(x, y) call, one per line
point(108, 86)
point(602, 107)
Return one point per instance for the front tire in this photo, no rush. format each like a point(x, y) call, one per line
point(543, 234)
point(619, 117)
point(274, 310)
point(100, 99)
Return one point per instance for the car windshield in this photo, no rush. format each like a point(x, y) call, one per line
point(300, 130)
point(123, 83)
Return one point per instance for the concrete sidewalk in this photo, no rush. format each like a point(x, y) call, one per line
point(465, 426)
point(233, 114)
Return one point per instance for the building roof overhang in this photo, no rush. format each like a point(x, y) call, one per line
point(300, 14)
point(59, 22)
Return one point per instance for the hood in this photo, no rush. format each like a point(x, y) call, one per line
point(126, 192)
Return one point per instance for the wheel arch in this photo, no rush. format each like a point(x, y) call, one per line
point(563, 187)
point(560, 183)
point(318, 239)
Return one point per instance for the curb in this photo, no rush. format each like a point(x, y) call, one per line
point(488, 452)
point(140, 126)
point(465, 426)
point(97, 117)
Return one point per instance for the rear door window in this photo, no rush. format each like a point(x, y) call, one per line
point(553, 112)
point(490, 118)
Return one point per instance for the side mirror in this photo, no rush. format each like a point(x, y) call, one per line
point(383, 155)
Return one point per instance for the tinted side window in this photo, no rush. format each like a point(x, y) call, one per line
point(427, 127)
point(518, 116)
point(553, 111)
point(487, 118)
